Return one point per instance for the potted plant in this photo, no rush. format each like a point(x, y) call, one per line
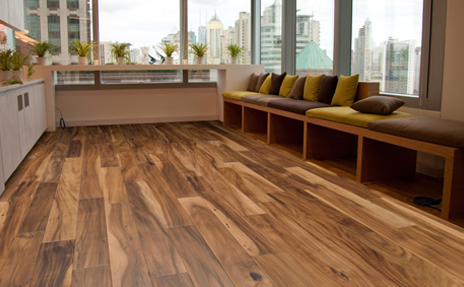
point(199, 50)
point(40, 49)
point(120, 52)
point(168, 49)
point(82, 49)
point(234, 52)
point(5, 64)
point(18, 60)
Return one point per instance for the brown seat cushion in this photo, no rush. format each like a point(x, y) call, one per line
point(296, 106)
point(437, 131)
point(262, 100)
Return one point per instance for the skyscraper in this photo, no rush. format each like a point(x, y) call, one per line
point(213, 36)
point(362, 55)
point(271, 37)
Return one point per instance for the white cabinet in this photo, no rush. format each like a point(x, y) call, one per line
point(9, 133)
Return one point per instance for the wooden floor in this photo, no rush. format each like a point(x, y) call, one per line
point(199, 204)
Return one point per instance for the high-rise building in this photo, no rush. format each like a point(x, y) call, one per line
point(214, 30)
point(271, 37)
point(243, 35)
point(202, 35)
point(400, 66)
point(362, 55)
point(307, 27)
point(105, 53)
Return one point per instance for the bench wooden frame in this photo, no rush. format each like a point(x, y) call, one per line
point(378, 155)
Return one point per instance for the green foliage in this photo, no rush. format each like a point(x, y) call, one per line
point(234, 50)
point(168, 48)
point(13, 81)
point(5, 60)
point(82, 49)
point(30, 71)
point(199, 50)
point(41, 48)
point(18, 60)
point(120, 50)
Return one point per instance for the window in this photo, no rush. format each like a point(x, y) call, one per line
point(386, 44)
point(271, 35)
point(32, 4)
point(54, 35)
point(53, 4)
point(314, 37)
point(33, 25)
point(73, 29)
point(72, 4)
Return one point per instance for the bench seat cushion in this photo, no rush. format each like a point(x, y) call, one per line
point(238, 95)
point(296, 106)
point(262, 100)
point(437, 131)
point(347, 115)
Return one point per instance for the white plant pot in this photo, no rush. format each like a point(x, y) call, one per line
point(199, 60)
point(233, 60)
point(168, 60)
point(82, 60)
point(4, 76)
point(121, 60)
point(41, 61)
point(17, 74)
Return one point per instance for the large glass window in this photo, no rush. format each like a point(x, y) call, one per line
point(271, 35)
point(33, 25)
point(314, 37)
point(386, 47)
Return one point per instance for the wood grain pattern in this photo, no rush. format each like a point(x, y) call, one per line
point(200, 262)
point(127, 260)
point(96, 276)
point(63, 215)
point(91, 167)
point(107, 152)
point(234, 259)
point(75, 149)
point(54, 265)
point(54, 168)
point(20, 263)
point(160, 253)
point(91, 244)
point(173, 281)
point(112, 185)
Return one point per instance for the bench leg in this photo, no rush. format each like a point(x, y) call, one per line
point(453, 187)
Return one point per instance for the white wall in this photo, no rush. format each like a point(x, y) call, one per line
point(12, 13)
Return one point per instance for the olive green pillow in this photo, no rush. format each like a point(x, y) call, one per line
point(311, 87)
point(345, 91)
point(287, 85)
point(266, 86)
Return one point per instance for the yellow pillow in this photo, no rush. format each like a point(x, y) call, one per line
point(287, 85)
point(311, 87)
point(266, 86)
point(345, 91)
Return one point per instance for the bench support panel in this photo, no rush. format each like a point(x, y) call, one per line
point(326, 143)
point(233, 115)
point(286, 132)
point(255, 123)
point(453, 187)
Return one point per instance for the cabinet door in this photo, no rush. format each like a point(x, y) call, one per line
point(2, 181)
point(40, 109)
point(22, 122)
point(9, 133)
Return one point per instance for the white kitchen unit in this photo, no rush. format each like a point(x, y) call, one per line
point(22, 122)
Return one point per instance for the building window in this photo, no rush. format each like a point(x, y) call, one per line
point(271, 35)
point(53, 4)
point(32, 4)
point(33, 25)
point(72, 4)
point(73, 29)
point(386, 47)
point(54, 33)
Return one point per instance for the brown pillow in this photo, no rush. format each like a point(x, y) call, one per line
point(297, 90)
point(253, 81)
point(327, 89)
point(381, 105)
point(260, 82)
point(276, 82)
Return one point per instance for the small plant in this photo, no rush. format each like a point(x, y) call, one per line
point(18, 60)
point(199, 50)
point(30, 71)
point(168, 48)
point(82, 49)
point(5, 60)
point(234, 50)
point(119, 50)
point(41, 48)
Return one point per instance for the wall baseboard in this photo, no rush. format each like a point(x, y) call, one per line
point(104, 122)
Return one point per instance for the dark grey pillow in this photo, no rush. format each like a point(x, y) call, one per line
point(253, 81)
point(260, 82)
point(381, 105)
point(327, 89)
point(276, 82)
point(297, 90)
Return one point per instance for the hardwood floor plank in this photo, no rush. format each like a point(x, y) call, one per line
point(179, 184)
point(128, 266)
point(172, 211)
point(91, 168)
point(54, 169)
point(112, 185)
point(235, 261)
point(39, 210)
point(160, 252)
point(75, 149)
point(17, 210)
point(20, 263)
point(203, 267)
point(173, 281)
point(91, 244)
point(99, 276)
point(107, 153)
point(4, 205)
point(141, 156)
point(129, 168)
point(62, 146)
point(63, 215)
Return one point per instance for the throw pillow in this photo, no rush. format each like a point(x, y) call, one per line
point(266, 86)
point(381, 105)
point(253, 81)
point(327, 90)
point(262, 78)
point(346, 91)
point(276, 82)
point(287, 85)
point(311, 87)
point(297, 90)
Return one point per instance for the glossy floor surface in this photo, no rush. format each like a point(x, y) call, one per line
point(199, 204)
